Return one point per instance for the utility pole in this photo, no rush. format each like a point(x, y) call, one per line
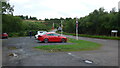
point(53, 26)
point(61, 28)
point(76, 28)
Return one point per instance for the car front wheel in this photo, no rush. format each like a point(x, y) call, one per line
point(46, 40)
point(6, 37)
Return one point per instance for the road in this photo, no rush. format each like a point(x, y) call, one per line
point(107, 55)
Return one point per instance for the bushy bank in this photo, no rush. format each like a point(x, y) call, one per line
point(93, 36)
point(21, 33)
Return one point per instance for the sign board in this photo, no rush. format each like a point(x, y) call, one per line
point(114, 31)
point(60, 28)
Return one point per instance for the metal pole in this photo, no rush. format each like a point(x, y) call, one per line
point(116, 34)
point(61, 28)
point(76, 28)
point(53, 26)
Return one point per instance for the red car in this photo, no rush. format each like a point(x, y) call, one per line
point(51, 37)
point(4, 35)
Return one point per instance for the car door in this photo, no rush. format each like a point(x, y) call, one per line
point(56, 38)
point(50, 37)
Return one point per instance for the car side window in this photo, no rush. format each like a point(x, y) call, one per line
point(55, 34)
point(49, 34)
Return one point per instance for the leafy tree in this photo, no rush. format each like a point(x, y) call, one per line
point(27, 17)
point(69, 26)
point(7, 8)
point(11, 23)
point(61, 18)
point(33, 26)
point(33, 18)
point(46, 19)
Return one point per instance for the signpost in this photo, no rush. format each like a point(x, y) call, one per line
point(61, 28)
point(114, 33)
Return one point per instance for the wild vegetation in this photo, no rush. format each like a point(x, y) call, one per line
point(98, 22)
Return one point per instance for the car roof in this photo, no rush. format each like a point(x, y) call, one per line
point(42, 31)
point(51, 33)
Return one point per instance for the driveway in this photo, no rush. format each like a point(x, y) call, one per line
point(107, 55)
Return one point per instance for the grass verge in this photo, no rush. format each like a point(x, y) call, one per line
point(80, 45)
point(93, 36)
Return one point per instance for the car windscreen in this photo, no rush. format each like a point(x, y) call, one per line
point(52, 34)
point(43, 33)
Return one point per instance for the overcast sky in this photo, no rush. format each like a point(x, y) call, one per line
point(60, 8)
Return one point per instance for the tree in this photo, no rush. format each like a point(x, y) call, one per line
point(33, 18)
point(98, 22)
point(11, 23)
point(69, 26)
point(7, 8)
point(61, 18)
point(46, 19)
point(113, 10)
point(27, 17)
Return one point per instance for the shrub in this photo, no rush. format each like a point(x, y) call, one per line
point(13, 34)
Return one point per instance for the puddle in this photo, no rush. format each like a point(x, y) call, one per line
point(12, 48)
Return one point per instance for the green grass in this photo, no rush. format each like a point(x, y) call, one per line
point(80, 45)
point(94, 36)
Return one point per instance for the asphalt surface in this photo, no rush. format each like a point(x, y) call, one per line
point(27, 55)
point(0, 52)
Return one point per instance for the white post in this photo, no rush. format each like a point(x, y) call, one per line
point(61, 28)
point(76, 28)
point(116, 34)
point(53, 24)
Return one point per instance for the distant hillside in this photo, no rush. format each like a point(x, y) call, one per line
point(35, 20)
